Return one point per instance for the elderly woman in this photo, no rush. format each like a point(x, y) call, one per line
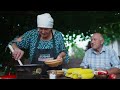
point(43, 43)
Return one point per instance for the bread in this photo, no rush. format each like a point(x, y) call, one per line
point(53, 63)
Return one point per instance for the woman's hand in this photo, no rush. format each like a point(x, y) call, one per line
point(17, 54)
point(60, 59)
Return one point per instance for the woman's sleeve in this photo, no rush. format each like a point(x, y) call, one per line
point(62, 47)
point(22, 41)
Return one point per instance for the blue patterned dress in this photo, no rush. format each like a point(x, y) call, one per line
point(29, 40)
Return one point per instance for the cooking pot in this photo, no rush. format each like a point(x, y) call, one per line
point(29, 71)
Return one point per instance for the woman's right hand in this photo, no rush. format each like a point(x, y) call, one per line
point(17, 54)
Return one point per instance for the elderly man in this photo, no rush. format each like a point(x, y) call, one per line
point(100, 57)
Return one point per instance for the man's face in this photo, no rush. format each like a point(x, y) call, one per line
point(96, 42)
point(45, 32)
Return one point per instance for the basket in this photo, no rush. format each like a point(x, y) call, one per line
point(60, 73)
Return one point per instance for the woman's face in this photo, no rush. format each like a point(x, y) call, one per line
point(45, 32)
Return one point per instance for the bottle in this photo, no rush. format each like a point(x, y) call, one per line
point(52, 74)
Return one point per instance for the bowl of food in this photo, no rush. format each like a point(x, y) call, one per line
point(101, 74)
point(60, 73)
point(53, 63)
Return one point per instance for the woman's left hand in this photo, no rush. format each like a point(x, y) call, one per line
point(59, 58)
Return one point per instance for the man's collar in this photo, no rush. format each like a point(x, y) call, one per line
point(103, 50)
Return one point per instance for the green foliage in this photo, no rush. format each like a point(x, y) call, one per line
point(110, 31)
point(78, 53)
point(107, 40)
point(70, 39)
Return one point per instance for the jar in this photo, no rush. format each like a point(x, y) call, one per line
point(52, 74)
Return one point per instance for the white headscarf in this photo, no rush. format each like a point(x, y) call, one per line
point(45, 20)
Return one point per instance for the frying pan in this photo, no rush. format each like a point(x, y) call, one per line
point(30, 71)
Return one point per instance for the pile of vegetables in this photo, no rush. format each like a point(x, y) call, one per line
point(79, 73)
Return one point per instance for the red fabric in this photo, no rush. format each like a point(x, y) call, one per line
point(8, 77)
